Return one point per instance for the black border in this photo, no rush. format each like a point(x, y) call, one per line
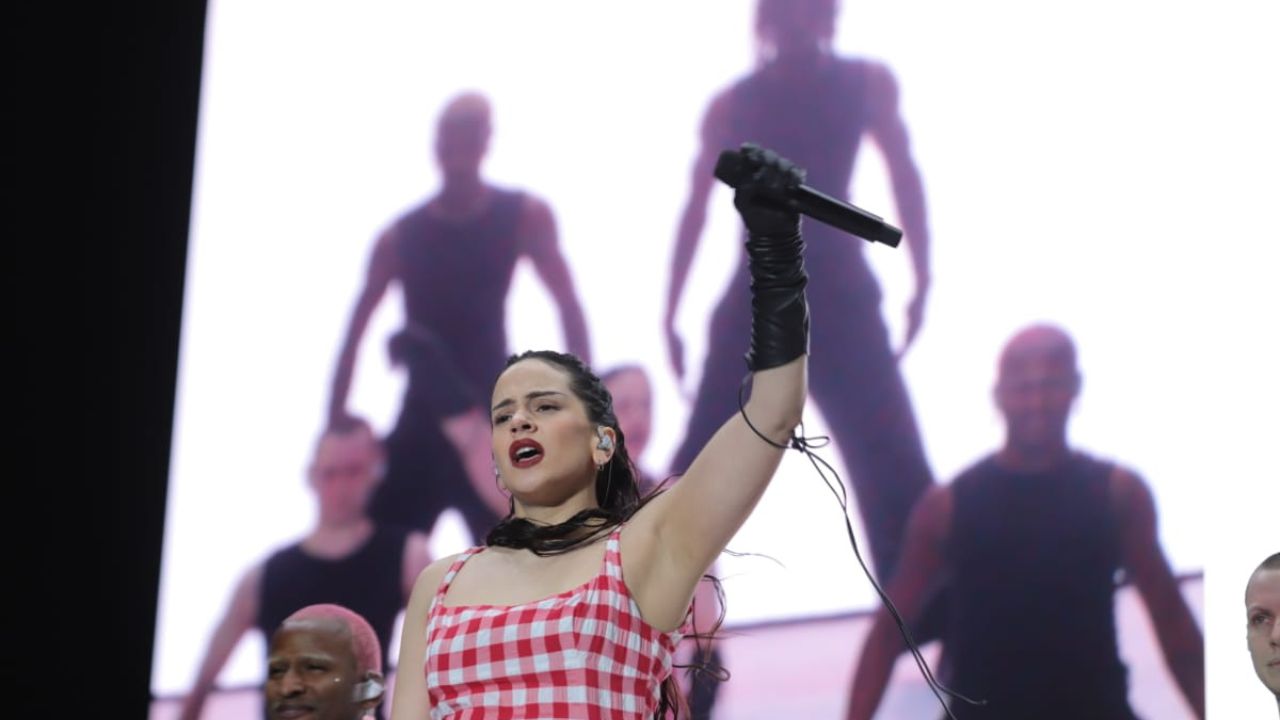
point(106, 101)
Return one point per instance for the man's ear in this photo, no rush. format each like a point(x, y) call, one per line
point(369, 691)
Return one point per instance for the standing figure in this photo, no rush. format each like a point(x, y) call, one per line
point(346, 559)
point(815, 108)
point(454, 257)
point(1029, 542)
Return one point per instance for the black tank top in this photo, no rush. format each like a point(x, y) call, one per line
point(369, 581)
point(455, 275)
point(816, 121)
point(1035, 559)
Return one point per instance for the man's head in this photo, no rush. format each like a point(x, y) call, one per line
point(462, 136)
point(794, 26)
point(325, 663)
point(345, 469)
point(632, 404)
point(1036, 386)
point(1262, 607)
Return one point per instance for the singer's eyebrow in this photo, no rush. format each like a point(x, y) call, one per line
point(530, 396)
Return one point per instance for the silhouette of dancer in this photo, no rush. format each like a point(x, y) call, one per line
point(814, 107)
point(454, 256)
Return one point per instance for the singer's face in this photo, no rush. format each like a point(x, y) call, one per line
point(1262, 605)
point(311, 673)
point(542, 438)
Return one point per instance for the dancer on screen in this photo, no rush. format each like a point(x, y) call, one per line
point(453, 257)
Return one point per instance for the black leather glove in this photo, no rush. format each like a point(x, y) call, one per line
point(775, 249)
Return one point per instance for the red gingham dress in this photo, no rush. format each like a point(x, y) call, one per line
point(585, 653)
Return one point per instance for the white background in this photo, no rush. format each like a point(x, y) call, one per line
point(1110, 166)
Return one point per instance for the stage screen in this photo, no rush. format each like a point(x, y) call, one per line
point(1076, 169)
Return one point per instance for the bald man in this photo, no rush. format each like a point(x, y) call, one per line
point(325, 663)
point(1029, 541)
point(1262, 606)
point(453, 258)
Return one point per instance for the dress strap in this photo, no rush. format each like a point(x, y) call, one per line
point(453, 572)
point(613, 553)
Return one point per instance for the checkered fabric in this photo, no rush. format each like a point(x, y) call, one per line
point(585, 653)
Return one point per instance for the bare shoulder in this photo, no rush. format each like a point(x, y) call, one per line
point(715, 123)
point(1129, 494)
point(536, 226)
point(534, 206)
point(1127, 486)
point(933, 510)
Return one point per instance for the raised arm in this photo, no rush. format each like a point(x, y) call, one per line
point(235, 622)
point(382, 268)
point(919, 573)
point(692, 219)
point(539, 240)
point(679, 534)
point(1180, 638)
point(410, 701)
point(890, 134)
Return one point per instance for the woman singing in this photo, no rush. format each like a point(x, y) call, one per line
point(575, 603)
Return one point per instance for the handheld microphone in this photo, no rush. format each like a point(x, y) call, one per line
point(734, 167)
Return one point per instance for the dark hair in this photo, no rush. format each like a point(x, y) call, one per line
point(617, 494)
point(1271, 563)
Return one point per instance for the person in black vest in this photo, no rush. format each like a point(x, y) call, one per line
point(453, 257)
point(1029, 542)
point(1262, 604)
point(346, 559)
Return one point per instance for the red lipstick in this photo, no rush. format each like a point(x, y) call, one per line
point(525, 453)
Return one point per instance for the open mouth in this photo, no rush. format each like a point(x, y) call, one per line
point(525, 453)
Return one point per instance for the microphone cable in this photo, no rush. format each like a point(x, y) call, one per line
point(806, 445)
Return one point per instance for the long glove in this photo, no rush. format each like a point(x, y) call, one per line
point(775, 250)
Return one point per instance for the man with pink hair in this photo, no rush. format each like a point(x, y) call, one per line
point(325, 663)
